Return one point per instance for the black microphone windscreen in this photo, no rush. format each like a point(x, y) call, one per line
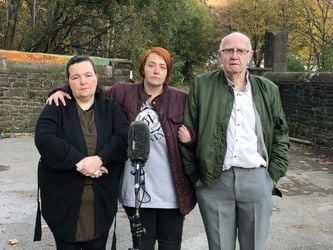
point(138, 141)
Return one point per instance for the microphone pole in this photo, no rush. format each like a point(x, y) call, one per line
point(138, 151)
point(137, 228)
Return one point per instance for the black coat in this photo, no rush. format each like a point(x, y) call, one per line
point(60, 142)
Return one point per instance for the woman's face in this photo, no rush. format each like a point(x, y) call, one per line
point(82, 80)
point(155, 70)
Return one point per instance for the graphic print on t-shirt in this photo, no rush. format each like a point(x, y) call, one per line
point(149, 116)
point(157, 169)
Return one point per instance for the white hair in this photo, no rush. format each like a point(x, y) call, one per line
point(237, 34)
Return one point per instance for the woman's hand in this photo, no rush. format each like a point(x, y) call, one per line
point(100, 172)
point(91, 166)
point(58, 96)
point(184, 134)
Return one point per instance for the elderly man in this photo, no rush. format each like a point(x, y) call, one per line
point(239, 148)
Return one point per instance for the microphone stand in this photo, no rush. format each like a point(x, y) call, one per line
point(137, 228)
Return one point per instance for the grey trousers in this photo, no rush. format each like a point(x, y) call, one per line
point(240, 204)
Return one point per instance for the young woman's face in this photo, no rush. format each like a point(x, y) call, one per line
point(155, 70)
point(82, 80)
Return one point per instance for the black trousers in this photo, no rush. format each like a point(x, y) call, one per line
point(162, 225)
point(98, 243)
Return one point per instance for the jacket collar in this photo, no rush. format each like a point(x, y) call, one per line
point(144, 96)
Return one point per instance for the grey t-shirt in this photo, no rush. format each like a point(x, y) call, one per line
point(158, 179)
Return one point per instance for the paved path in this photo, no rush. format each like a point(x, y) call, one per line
point(302, 219)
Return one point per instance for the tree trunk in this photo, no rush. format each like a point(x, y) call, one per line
point(13, 7)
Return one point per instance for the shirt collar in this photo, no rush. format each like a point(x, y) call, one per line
point(247, 85)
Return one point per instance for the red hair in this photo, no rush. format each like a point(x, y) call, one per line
point(162, 53)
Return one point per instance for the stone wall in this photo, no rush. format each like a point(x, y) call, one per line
point(308, 104)
point(24, 87)
point(307, 98)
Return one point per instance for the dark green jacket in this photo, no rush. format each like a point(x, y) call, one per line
point(207, 113)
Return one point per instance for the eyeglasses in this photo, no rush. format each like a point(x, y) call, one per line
point(230, 51)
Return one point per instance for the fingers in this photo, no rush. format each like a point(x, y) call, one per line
point(182, 129)
point(53, 98)
point(58, 97)
point(183, 134)
point(97, 174)
point(49, 101)
point(104, 170)
point(80, 167)
point(62, 98)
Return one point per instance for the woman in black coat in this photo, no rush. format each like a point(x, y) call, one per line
point(82, 146)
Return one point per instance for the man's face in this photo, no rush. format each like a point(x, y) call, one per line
point(235, 54)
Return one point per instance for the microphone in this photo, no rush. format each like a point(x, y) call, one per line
point(138, 142)
point(138, 152)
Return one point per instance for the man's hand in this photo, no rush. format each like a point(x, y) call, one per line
point(184, 134)
point(58, 96)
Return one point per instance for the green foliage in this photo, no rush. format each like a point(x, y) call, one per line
point(180, 26)
point(311, 32)
point(120, 29)
point(327, 60)
point(191, 42)
point(189, 29)
point(295, 63)
point(330, 59)
point(4, 132)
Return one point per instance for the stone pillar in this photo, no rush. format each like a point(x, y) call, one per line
point(276, 51)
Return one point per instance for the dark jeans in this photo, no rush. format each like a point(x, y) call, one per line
point(163, 225)
point(96, 244)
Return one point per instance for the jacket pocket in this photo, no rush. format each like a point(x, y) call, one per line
point(177, 119)
point(275, 190)
point(280, 123)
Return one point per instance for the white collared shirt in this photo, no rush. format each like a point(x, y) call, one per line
point(242, 140)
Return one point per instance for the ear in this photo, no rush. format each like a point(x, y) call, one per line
point(251, 55)
point(219, 57)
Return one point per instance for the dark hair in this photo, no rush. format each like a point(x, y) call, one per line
point(162, 53)
point(78, 59)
